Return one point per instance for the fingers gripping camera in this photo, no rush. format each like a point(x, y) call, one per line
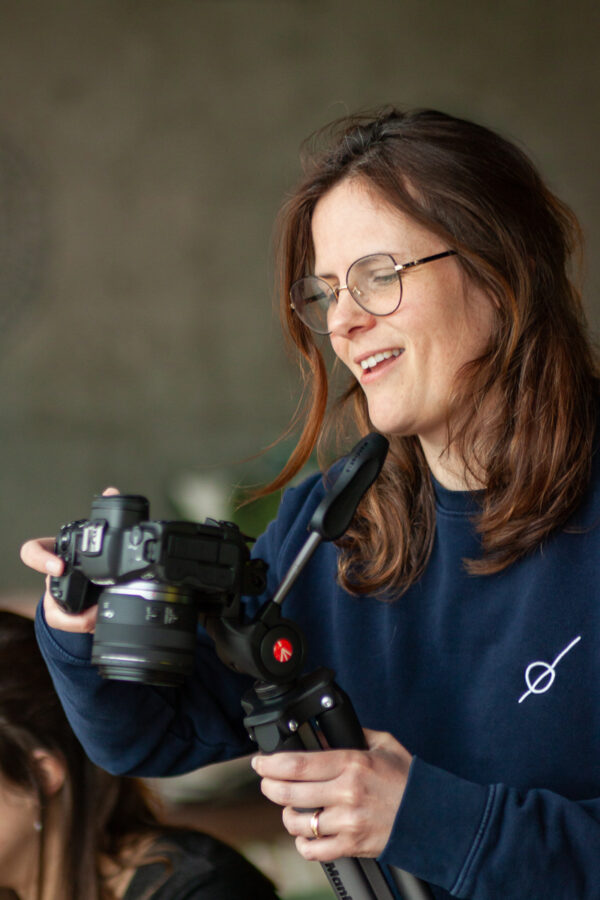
point(151, 580)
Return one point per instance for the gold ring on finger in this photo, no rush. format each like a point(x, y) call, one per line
point(314, 822)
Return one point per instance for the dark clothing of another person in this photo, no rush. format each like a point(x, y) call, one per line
point(202, 868)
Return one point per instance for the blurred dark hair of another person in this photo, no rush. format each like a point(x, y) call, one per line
point(70, 831)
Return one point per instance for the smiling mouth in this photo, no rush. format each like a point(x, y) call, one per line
point(371, 362)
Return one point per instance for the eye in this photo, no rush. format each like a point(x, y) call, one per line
point(381, 277)
point(319, 295)
point(310, 291)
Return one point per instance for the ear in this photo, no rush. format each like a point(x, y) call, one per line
point(51, 769)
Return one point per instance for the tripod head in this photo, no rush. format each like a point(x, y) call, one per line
point(286, 711)
point(271, 648)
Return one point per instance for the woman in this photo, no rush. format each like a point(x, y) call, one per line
point(69, 830)
point(459, 611)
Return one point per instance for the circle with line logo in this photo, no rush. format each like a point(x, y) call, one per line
point(541, 682)
point(540, 675)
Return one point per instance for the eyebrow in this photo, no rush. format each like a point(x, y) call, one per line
point(329, 277)
point(325, 276)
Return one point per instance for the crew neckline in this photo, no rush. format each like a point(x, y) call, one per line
point(456, 501)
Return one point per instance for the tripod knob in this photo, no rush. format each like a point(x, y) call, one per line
point(269, 648)
point(282, 652)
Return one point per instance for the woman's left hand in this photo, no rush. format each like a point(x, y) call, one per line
point(357, 791)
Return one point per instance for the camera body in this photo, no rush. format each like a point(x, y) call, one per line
point(152, 580)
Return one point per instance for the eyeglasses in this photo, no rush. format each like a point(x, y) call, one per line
point(374, 282)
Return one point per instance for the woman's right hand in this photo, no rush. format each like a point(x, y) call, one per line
point(39, 555)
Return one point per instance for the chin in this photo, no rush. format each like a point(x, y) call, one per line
point(390, 427)
point(393, 418)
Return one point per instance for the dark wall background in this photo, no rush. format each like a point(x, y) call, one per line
point(144, 150)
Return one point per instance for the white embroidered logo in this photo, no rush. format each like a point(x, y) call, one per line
point(542, 682)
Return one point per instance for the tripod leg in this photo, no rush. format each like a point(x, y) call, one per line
point(358, 879)
point(341, 729)
point(318, 699)
point(409, 887)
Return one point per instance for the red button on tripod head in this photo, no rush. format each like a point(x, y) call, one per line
point(282, 650)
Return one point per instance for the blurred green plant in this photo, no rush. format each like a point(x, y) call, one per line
point(252, 518)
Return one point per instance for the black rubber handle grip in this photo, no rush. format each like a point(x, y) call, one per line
point(335, 511)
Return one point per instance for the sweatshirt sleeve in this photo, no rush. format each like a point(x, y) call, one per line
point(483, 842)
point(139, 729)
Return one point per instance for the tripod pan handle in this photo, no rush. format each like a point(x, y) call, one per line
point(362, 466)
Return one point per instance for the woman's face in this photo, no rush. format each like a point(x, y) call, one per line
point(19, 840)
point(442, 322)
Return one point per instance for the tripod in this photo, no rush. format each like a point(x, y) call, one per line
point(287, 711)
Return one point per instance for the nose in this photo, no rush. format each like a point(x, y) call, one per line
point(346, 315)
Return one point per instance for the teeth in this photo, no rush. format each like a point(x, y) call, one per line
point(372, 361)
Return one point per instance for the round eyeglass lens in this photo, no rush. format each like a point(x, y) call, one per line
point(375, 284)
point(312, 297)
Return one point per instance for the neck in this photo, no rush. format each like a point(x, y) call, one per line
point(24, 882)
point(53, 883)
point(450, 470)
point(26, 879)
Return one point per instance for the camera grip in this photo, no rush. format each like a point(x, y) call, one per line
point(74, 592)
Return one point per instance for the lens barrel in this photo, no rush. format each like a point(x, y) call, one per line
point(146, 632)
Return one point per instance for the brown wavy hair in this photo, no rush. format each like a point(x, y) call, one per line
point(101, 814)
point(483, 197)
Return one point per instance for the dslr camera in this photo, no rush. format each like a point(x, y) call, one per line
point(152, 581)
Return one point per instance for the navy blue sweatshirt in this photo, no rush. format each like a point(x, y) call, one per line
point(492, 682)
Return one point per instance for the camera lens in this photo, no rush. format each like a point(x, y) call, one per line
point(146, 632)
